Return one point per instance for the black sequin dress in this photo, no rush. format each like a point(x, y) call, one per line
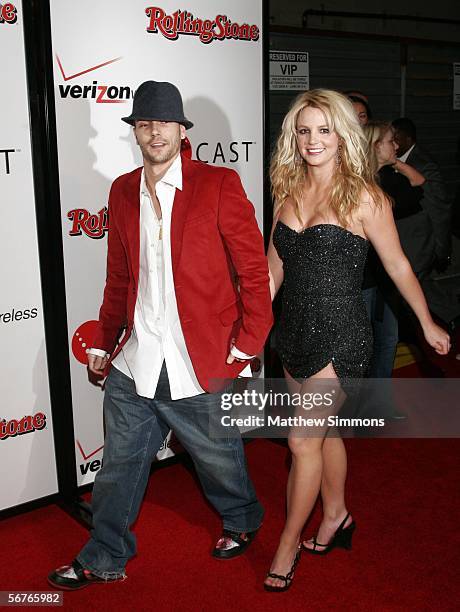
point(323, 319)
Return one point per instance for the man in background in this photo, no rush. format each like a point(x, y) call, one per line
point(438, 231)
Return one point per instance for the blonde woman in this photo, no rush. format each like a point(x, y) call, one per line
point(403, 184)
point(328, 209)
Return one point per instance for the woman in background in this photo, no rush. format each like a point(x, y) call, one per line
point(397, 179)
point(362, 109)
point(328, 208)
point(402, 183)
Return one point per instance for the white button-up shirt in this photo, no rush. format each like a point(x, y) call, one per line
point(157, 334)
point(404, 157)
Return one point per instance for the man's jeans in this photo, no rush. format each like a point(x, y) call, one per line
point(380, 400)
point(385, 330)
point(135, 430)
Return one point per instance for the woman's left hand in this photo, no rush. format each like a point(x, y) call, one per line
point(438, 338)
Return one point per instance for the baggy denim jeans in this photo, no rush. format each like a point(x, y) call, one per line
point(135, 430)
point(385, 330)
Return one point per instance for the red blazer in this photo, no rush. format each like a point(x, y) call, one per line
point(219, 268)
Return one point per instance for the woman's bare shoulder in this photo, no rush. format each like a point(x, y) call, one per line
point(372, 202)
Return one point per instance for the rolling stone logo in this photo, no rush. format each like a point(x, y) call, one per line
point(8, 13)
point(92, 225)
point(19, 427)
point(207, 30)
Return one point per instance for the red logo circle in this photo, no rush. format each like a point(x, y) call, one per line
point(82, 339)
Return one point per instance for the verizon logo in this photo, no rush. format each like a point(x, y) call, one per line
point(102, 94)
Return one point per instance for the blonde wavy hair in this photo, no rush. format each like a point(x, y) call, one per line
point(353, 174)
point(375, 132)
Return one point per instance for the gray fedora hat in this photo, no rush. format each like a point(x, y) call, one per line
point(155, 101)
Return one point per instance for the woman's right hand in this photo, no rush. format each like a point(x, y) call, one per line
point(416, 179)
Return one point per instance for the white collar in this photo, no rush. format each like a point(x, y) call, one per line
point(173, 176)
point(404, 157)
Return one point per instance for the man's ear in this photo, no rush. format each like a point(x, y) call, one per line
point(135, 135)
point(182, 132)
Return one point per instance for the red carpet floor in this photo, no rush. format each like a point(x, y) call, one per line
point(404, 495)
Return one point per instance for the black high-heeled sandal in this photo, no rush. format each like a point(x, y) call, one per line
point(287, 579)
point(341, 539)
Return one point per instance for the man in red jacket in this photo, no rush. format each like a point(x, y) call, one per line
point(187, 281)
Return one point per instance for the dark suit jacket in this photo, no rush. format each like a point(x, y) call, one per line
point(414, 225)
point(434, 201)
point(219, 267)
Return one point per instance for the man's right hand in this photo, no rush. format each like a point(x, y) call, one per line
point(96, 364)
